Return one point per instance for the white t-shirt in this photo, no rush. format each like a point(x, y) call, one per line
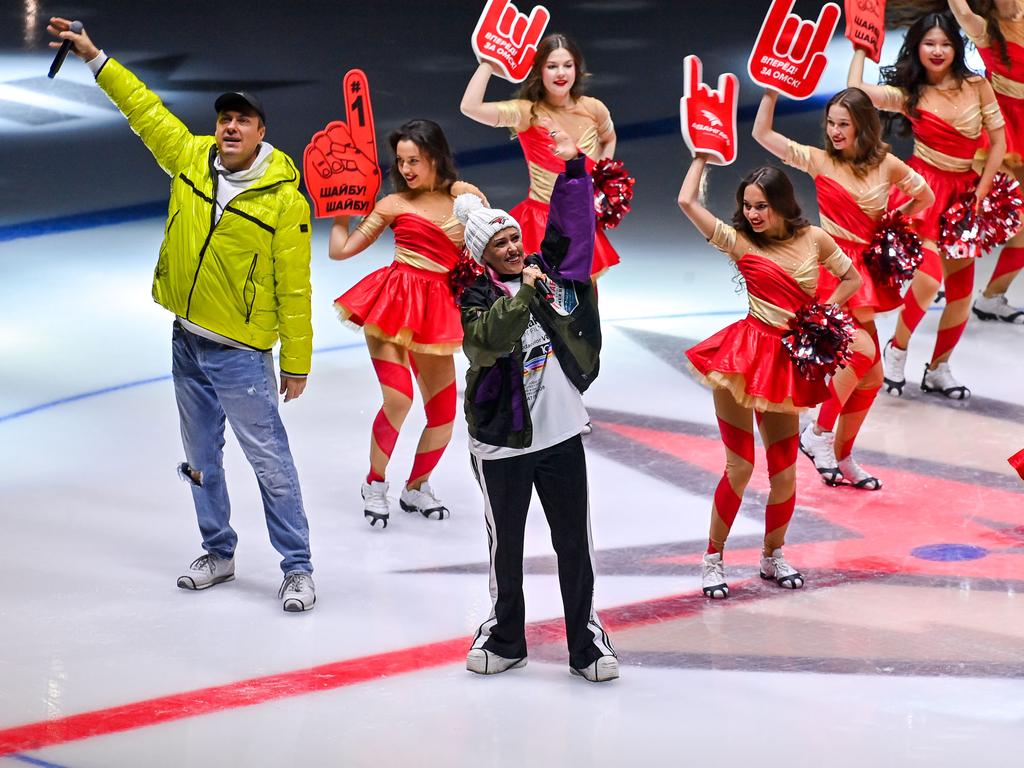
point(556, 407)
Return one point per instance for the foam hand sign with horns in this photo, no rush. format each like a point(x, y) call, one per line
point(865, 26)
point(789, 53)
point(340, 164)
point(508, 38)
point(707, 117)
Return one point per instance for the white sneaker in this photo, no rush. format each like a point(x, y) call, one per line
point(775, 568)
point(423, 501)
point(821, 449)
point(997, 308)
point(376, 506)
point(483, 662)
point(941, 380)
point(713, 576)
point(206, 571)
point(856, 476)
point(297, 593)
point(894, 360)
point(604, 669)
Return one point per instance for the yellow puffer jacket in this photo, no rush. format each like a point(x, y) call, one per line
point(247, 277)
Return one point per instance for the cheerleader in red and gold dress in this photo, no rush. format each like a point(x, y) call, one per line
point(554, 90)
point(999, 38)
point(853, 176)
point(947, 107)
point(407, 311)
point(751, 373)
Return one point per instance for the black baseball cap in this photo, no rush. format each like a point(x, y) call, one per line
point(239, 99)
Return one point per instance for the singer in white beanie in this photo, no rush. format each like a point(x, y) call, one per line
point(533, 338)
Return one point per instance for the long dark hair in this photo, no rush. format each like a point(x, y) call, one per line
point(908, 73)
point(428, 136)
point(532, 88)
point(903, 13)
point(778, 191)
point(868, 146)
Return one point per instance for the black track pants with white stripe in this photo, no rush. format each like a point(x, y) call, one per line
point(559, 474)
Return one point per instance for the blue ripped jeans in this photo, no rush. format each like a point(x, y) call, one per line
point(213, 382)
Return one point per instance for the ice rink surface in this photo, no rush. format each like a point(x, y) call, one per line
point(906, 647)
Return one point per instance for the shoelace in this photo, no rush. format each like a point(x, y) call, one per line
point(202, 563)
point(294, 583)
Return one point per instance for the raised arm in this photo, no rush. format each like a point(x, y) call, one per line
point(763, 132)
point(171, 143)
point(971, 23)
point(344, 245)
point(473, 105)
point(701, 217)
point(855, 79)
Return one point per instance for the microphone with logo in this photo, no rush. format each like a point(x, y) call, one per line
point(62, 52)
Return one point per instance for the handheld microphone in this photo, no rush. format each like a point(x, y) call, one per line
point(543, 284)
point(62, 52)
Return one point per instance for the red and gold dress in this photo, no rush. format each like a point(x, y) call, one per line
point(849, 208)
point(947, 133)
point(410, 301)
point(587, 123)
point(747, 358)
point(1008, 82)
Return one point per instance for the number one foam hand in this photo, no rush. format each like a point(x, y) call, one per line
point(708, 118)
point(340, 164)
point(789, 53)
point(508, 38)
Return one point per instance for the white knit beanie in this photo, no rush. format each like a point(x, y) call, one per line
point(481, 223)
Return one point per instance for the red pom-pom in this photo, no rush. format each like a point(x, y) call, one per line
point(895, 252)
point(959, 235)
point(464, 274)
point(613, 189)
point(999, 218)
point(820, 340)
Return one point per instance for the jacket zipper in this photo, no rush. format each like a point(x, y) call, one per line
point(213, 224)
point(250, 305)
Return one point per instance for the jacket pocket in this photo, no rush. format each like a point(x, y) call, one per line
point(249, 291)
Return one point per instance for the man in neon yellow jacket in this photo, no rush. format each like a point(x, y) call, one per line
point(234, 269)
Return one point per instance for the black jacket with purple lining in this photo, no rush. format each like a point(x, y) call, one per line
point(493, 322)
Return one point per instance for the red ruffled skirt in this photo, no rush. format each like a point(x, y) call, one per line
point(947, 188)
point(532, 216)
point(748, 359)
point(880, 298)
point(405, 305)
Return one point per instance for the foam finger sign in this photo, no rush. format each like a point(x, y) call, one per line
point(789, 53)
point(707, 117)
point(865, 26)
point(508, 38)
point(340, 164)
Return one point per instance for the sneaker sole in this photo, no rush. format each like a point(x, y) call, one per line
point(606, 669)
point(373, 517)
point(711, 591)
point(478, 662)
point(790, 580)
point(187, 582)
point(294, 605)
point(442, 512)
point(1015, 319)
